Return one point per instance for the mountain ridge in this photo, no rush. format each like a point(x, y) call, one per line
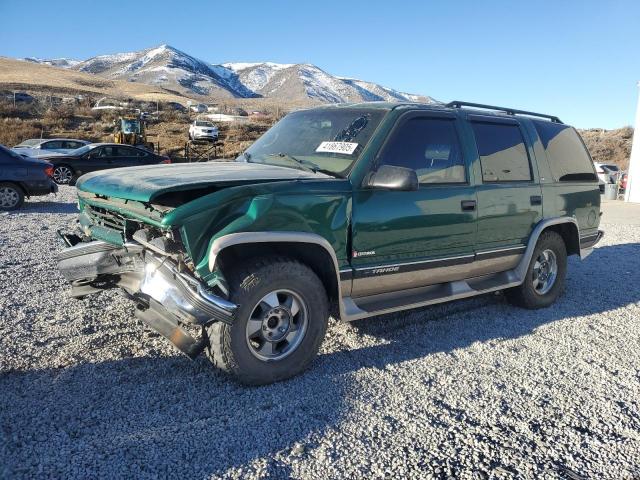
point(170, 68)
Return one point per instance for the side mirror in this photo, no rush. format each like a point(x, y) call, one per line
point(390, 177)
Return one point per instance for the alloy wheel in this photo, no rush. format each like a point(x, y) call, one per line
point(9, 197)
point(277, 325)
point(62, 175)
point(545, 271)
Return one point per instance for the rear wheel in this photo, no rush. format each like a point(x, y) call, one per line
point(545, 276)
point(11, 196)
point(63, 175)
point(280, 323)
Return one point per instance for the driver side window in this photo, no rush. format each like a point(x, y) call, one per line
point(96, 152)
point(430, 146)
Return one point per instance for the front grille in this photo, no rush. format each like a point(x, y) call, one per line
point(105, 218)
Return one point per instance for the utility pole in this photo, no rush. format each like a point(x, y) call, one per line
point(633, 180)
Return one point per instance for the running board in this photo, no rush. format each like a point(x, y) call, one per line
point(357, 308)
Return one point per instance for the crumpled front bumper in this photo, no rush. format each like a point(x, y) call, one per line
point(165, 297)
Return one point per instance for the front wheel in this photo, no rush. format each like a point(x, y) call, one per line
point(11, 196)
point(280, 324)
point(545, 276)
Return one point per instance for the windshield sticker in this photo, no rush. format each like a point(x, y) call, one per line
point(346, 148)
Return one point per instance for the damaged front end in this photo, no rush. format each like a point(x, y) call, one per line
point(168, 296)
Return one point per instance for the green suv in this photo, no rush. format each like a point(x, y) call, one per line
point(350, 210)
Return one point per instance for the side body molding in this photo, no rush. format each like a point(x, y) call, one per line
point(354, 309)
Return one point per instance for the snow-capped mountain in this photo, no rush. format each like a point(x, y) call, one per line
point(286, 81)
point(167, 67)
point(54, 62)
point(175, 70)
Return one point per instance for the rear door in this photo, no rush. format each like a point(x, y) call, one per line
point(127, 157)
point(407, 239)
point(508, 189)
point(71, 145)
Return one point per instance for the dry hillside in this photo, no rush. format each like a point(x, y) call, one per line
point(26, 76)
point(609, 146)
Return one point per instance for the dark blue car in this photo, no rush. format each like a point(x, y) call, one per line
point(23, 177)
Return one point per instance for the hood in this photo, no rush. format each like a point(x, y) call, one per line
point(146, 183)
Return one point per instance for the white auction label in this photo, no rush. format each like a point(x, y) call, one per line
point(337, 147)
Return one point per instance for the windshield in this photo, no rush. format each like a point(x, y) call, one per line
point(331, 139)
point(130, 126)
point(29, 143)
point(204, 124)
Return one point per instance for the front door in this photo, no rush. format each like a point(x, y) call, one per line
point(407, 239)
point(96, 159)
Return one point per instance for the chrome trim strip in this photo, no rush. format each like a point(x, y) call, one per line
point(499, 250)
point(419, 262)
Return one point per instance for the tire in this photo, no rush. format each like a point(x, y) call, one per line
point(541, 291)
point(296, 327)
point(64, 175)
point(11, 196)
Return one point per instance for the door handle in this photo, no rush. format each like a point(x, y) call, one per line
point(468, 205)
point(536, 200)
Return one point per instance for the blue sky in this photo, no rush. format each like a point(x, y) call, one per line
point(579, 60)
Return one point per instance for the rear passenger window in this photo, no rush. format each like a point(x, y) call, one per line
point(51, 145)
point(568, 157)
point(503, 154)
point(429, 146)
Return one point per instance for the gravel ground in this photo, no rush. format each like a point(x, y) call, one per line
point(472, 389)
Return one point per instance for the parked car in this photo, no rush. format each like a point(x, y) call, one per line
point(203, 130)
point(39, 147)
point(100, 156)
point(367, 208)
point(23, 177)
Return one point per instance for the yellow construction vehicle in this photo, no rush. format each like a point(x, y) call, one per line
point(130, 130)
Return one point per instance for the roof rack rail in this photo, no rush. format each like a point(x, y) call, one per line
point(509, 111)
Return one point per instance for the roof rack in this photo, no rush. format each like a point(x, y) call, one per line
point(509, 111)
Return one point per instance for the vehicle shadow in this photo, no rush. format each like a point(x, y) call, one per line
point(157, 415)
point(45, 206)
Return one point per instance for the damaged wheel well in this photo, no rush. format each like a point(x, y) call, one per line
point(314, 256)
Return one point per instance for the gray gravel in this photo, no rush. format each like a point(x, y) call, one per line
point(473, 389)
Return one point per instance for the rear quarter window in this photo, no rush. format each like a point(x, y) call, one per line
point(568, 157)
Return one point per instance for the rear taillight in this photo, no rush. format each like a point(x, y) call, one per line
point(49, 171)
point(166, 160)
